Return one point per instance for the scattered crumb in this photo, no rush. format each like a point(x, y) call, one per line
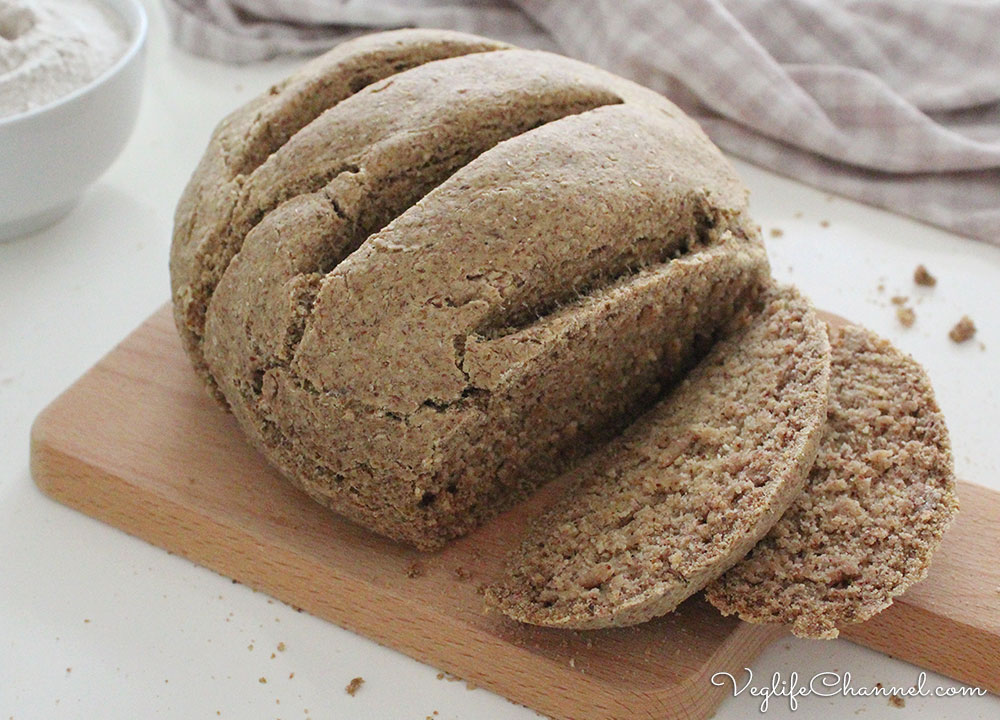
point(878, 685)
point(798, 214)
point(440, 676)
point(354, 686)
point(250, 647)
point(86, 620)
point(415, 569)
point(481, 589)
point(897, 701)
point(273, 656)
point(922, 277)
point(262, 680)
point(899, 299)
point(777, 232)
point(963, 330)
point(824, 223)
point(291, 675)
point(281, 647)
point(461, 573)
point(906, 316)
point(881, 287)
point(69, 669)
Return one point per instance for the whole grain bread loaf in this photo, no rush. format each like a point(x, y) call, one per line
point(430, 270)
point(878, 499)
point(686, 490)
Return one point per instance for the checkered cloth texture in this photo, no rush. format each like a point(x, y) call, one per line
point(893, 102)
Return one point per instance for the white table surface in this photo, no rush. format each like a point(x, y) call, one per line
point(96, 624)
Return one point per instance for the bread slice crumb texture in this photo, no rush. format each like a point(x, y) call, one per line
point(878, 500)
point(687, 490)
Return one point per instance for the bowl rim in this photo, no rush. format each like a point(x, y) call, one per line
point(135, 46)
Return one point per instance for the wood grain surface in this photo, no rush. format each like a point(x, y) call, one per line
point(138, 444)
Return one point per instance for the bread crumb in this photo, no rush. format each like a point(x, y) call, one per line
point(354, 686)
point(824, 223)
point(461, 573)
point(899, 299)
point(281, 647)
point(440, 676)
point(906, 316)
point(922, 277)
point(415, 569)
point(964, 330)
point(881, 287)
point(897, 701)
point(262, 680)
point(798, 214)
point(777, 232)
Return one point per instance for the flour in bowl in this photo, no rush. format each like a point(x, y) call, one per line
point(49, 48)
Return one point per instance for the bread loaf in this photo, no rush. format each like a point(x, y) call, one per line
point(688, 488)
point(431, 270)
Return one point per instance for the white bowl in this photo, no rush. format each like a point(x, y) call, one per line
point(50, 155)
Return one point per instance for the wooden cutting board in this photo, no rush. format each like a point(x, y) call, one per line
point(138, 444)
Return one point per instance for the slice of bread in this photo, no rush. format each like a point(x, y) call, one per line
point(689, 488)
point(878, 499)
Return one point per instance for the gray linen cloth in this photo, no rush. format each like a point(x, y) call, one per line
point(895, 103)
